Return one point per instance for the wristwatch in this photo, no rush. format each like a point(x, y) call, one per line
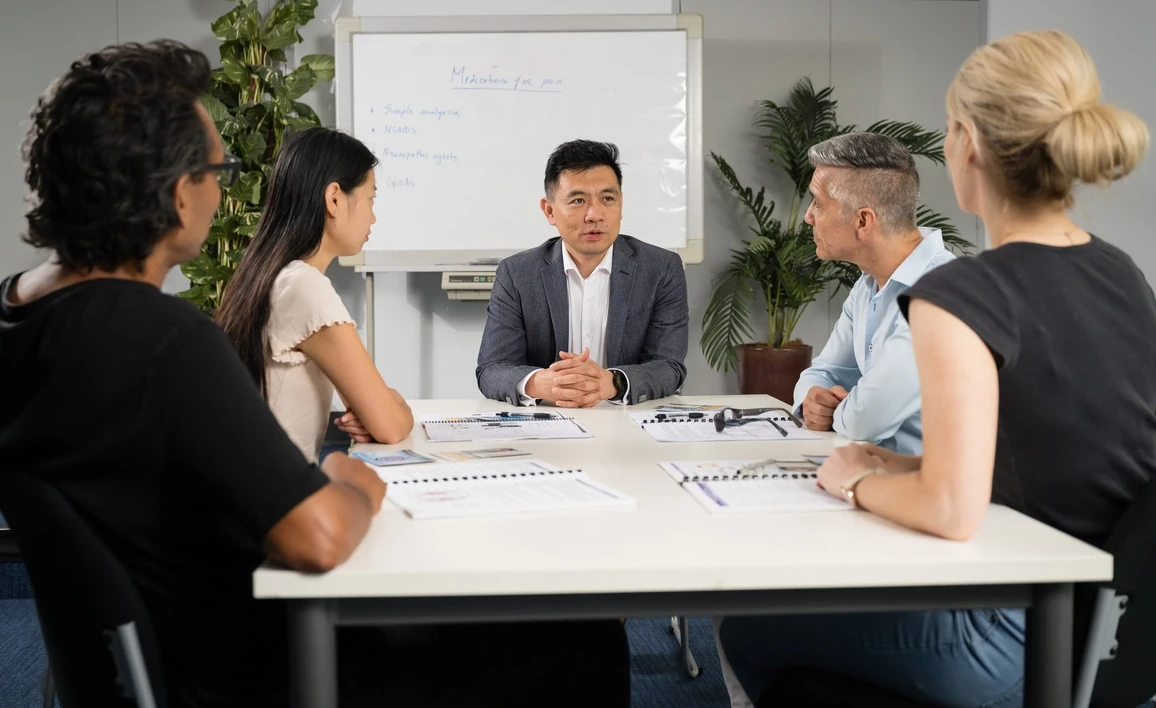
point(848, 487)
point(620, 384)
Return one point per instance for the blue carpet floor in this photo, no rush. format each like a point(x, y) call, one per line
point(22, 659)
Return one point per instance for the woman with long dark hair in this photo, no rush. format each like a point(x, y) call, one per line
point(282, 314)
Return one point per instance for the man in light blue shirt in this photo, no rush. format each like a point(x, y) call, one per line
point(864, 384)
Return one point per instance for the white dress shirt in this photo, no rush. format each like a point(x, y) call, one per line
point(589, 300)
point(869, 354)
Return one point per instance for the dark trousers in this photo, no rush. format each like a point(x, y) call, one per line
point(539, 664)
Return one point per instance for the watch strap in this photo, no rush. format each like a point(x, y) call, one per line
point(848, 487)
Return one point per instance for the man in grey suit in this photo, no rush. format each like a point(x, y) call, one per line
point(590, 315)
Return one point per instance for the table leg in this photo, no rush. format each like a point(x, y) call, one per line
point(312, 655)
point(1048, 654)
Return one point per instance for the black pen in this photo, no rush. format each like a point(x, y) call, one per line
point(694, 415)
point(539, 416)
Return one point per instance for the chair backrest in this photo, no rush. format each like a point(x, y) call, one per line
point(1128, 679)
point(88, 605)
point(9, 553)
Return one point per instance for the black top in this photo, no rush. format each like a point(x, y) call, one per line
point(1073, 333)
point(134, 405)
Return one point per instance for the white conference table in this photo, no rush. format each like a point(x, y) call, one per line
point(669, 556)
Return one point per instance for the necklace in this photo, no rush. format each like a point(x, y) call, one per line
point(1011, 237)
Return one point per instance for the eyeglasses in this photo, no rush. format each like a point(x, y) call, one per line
point(227, 171)
point(731, 417)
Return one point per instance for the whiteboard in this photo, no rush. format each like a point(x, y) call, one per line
point(462, 124)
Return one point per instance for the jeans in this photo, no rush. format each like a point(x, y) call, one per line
point(326, 449)
point(958, 658)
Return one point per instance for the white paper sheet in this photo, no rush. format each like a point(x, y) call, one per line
point(495, 488)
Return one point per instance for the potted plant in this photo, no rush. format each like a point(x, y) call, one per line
point(779, 264)
point(253, 101)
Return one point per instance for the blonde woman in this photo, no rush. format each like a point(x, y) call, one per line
point(1035, 365)
point(282, 314)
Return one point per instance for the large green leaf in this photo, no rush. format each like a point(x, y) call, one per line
point(233, 126)
point(280, 35)
point(228, 26)
point(299, 12)
point(283, 12)
point(248, 188)
point(235, 72)
point(321, 64)
point(306, 112)
point(232, 49)
point(299, 81)
point(306, 10)
point(251, 148)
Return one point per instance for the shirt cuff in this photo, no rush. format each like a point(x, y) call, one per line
point(625, 399)
point(523, 399)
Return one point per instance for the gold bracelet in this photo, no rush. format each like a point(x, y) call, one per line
point(848, 487)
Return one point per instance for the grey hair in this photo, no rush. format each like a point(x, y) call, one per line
point(881, 176)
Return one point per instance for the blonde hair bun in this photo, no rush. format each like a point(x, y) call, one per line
point(1097, 144)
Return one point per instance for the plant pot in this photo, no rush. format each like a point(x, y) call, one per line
point(775, 372)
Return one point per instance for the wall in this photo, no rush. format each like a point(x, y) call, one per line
point(886, 58)
point(1117, 34)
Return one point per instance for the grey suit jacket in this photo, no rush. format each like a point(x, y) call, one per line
point(528, 319)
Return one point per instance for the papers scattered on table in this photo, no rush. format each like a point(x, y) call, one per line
point(510, 426)
point(495, 488)
point(754, 485)
point(677, 428)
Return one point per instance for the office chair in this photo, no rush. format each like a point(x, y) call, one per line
point(680, 628)
point(99, 636)
point(1114, 641)
point(1114, 621)
point(9, 553)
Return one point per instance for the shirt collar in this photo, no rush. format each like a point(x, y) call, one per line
point(568, 265)
point(915, 265)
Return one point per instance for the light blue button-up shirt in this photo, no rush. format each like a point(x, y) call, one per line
point(870, 355)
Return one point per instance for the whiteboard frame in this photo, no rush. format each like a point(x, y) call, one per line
point(448, 260)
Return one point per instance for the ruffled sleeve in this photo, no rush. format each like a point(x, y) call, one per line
point(303, 301)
